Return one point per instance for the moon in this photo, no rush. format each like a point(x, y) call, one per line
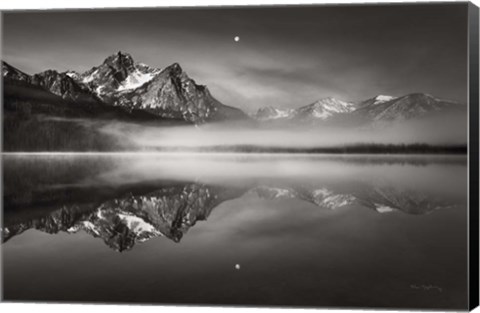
point(236, 38)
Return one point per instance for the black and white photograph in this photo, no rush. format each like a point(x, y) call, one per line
point(252, 156)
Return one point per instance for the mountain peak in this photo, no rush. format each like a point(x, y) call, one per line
point(175, 69)
point(6, 66)
point(72, 74)
point(118, 72)
point(49, 73)
point(120, 60)
point(121, 54)
point(326, 107)
point(382, 98)
point(11, 72)
point(330, 100)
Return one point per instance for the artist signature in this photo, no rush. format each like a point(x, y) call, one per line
point(426, 287)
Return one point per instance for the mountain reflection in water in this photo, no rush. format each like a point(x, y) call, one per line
point(220, 202)
point(171, 210)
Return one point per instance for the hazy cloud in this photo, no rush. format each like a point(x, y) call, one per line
point(286, 57)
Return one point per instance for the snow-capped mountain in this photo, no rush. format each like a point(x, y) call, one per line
point(172, 94)
point(120, 81)
point(381, 108)
point(407, 107)
point(382, 98)
point(167, 93)
point(374, 101)
point(119, 72)
point(321, 109)
point(324, 108)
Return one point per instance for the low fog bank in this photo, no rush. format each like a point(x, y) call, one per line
point(446, 130)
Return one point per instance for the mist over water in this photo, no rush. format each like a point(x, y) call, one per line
point(439, 130)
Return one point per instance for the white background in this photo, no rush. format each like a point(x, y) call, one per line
point(54, 308)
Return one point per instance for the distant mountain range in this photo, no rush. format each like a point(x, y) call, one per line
point(171, 210)
point(380, 108)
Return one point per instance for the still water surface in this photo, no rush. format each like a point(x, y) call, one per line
point(372, 231)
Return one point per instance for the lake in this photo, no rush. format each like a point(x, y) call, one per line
point(237, 229)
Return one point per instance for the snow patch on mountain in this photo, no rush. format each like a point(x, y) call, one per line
point(281, 113)
point(137, 224)
point(89, 78)
point(382, 98)
point(136, 79)
point(324, 109)
point(380, 208)
point(72, 74)
point(89, 225)
point(85, 225)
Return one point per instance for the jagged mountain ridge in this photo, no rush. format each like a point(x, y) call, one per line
point(11, 73)
point(58, 84)
point(119, 81)
point(167, 93)
point(171, 93)
point(64, 86)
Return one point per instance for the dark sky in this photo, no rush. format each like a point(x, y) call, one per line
point(286, 57)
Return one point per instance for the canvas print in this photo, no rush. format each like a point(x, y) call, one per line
point(310, 156)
